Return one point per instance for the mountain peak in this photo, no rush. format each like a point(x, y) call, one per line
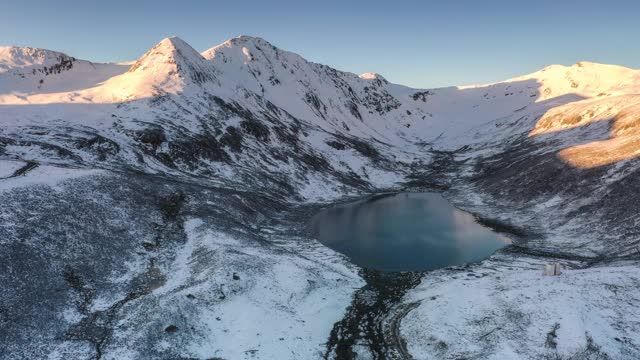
point(586, 65)
point(14, 57)
point(172, 50)
point(176, 43)
point(249, 38)
point(174, 55)
point(169, 66)
point(372, 76)
point(244, 46)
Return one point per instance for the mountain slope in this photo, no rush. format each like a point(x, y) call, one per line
point(28, 71)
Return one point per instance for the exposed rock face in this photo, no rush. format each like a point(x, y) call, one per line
point(148, 207)
point(30, 61)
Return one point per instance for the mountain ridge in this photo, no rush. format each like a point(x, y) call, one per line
point(248, 75)
point(242, 40)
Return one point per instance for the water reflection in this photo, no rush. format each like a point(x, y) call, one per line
point(405, 232)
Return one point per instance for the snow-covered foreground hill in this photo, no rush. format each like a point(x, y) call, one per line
point(156, 209)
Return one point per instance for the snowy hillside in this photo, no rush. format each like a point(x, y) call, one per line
point(27, 71)
point(157, 208)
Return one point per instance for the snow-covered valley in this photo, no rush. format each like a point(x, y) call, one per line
point(157, 208)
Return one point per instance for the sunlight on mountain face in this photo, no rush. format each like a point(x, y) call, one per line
point(601, 153)
point(623, 144)
point(604, 127)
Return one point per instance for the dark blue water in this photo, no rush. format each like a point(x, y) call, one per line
point(405, 232)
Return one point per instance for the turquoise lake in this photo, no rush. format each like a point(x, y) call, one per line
point(405, 232)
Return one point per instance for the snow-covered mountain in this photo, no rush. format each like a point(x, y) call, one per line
point(150, 204)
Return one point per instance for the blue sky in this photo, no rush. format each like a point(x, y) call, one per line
point(417, 43)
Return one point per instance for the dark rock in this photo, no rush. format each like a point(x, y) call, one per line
point(191, 150)
point(336, 145)
point(421, 95)
point(153, 137)
point(232, 138)
point(100, 146)
point(171, 205)
point(171, 329)
point(256, 129)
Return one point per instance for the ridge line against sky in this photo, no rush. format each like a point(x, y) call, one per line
point(423, 44)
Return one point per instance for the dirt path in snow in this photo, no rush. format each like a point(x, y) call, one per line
point(397, 345)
